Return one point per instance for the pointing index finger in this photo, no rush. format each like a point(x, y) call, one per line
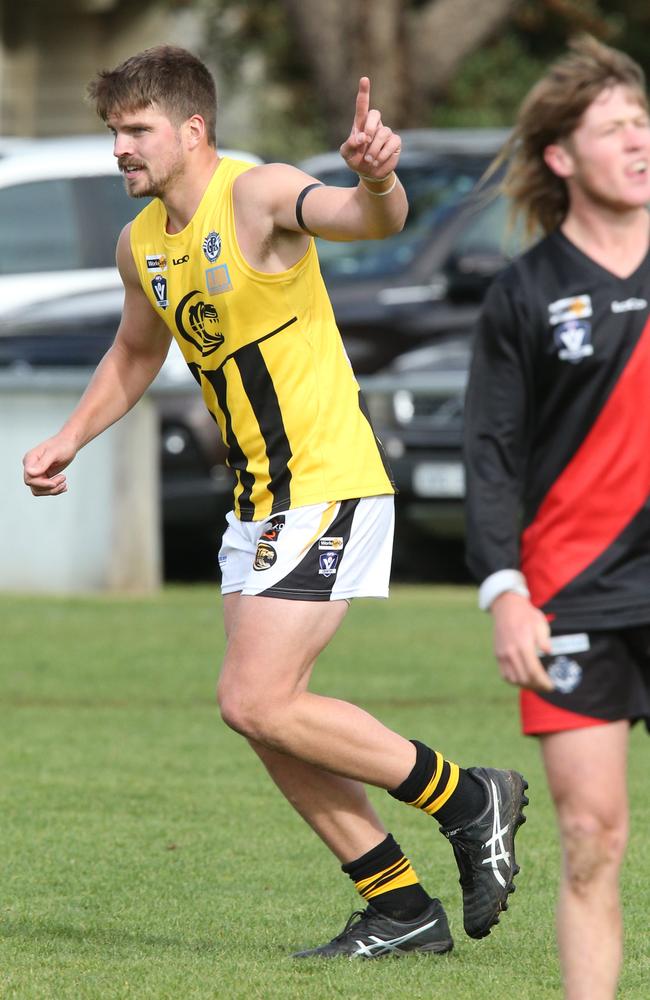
point(362, 104)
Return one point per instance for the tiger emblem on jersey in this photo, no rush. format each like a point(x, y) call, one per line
point(198, 322)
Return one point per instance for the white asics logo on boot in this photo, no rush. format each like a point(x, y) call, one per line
point(379, 947)
point(495, 843)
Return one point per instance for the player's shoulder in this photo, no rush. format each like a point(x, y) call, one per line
point(529, 275)
point(528, 263)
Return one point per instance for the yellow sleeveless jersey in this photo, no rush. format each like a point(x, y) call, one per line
point(268, 356)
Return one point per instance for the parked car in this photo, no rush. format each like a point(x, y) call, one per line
point(425, 283)
point(62, 208)
point(416, 406)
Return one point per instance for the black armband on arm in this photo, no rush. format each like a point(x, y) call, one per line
point(301, 197)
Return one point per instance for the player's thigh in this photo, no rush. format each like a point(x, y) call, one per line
point(587, 772)
point(273, 643)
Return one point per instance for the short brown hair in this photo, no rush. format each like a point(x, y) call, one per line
point(551, 111)
point(167, 76)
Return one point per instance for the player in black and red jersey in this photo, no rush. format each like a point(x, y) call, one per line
point(558, 471)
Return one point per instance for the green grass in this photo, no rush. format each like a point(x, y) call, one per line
point(146, 855)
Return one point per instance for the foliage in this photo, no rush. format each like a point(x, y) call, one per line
point(255, 48)
point(492, 81)
point(147, 856)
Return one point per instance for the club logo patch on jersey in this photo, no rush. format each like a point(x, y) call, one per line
point(217, 279)
point(272, 530)
point(327, 563)
point(212, 246)
point(264, 557)
point(565, 673)
point(198, 323)
point(331, 543)
point(159, 285)
point(156, 262)
point(576, 307)
point(573, 340)
point(629, 305)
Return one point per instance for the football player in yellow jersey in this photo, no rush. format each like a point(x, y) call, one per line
point(302, 541)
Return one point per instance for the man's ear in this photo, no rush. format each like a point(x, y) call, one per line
point(195, 131)
point(558, 159)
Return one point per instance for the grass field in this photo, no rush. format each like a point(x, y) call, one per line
point(146, 855)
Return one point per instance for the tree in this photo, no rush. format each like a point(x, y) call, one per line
point(409, 50)
point(290, 67)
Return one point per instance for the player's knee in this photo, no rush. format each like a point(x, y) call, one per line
point(593, 849)
point(241, 711)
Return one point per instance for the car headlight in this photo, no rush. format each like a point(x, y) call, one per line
point(404, 406)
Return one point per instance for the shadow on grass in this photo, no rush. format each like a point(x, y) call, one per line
point(44, 930)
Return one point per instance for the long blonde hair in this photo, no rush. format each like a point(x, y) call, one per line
point(550, 112)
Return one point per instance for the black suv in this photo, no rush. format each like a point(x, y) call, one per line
point(406, 308)
point(425, 283)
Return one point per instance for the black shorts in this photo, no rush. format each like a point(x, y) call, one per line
point(599, 677)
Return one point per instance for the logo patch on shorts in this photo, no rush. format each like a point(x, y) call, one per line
point(273, 528)
point(265, 556)
point(327, 562)
point(577, 642)
point(331, 543)
point(565, 673)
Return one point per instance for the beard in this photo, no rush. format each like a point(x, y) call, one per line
point(149, 185)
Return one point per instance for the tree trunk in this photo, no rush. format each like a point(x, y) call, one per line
point(410, 53)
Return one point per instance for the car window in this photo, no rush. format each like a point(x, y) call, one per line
point(38, 227)
point(490, 231)
point(433, 191)
point(104, 208)
point(63, 224)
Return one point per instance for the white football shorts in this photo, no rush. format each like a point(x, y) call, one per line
point(322, 552)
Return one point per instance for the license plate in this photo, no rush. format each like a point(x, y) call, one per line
point(439, 479)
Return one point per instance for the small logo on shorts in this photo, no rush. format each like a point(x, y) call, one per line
point(566, 674)
point(327, 562)
point(265, 556)
point(273, 528)
point(331, 543)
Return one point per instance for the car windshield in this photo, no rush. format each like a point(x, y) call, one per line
point(433, 190)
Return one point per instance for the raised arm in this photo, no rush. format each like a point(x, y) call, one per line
point(127, 369)
point(375, 208)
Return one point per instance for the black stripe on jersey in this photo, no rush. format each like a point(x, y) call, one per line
point(236, 458)
point(363, 406)
point(260, 340)
point(304, 582)
point(195, 370)
point(264, 402)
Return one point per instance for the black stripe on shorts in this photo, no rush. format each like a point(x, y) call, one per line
point(315, 575)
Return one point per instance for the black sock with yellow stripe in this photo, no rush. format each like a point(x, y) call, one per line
point(441, 788)
point(386, 879)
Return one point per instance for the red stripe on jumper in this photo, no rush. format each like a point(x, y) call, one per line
point(602, 488)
